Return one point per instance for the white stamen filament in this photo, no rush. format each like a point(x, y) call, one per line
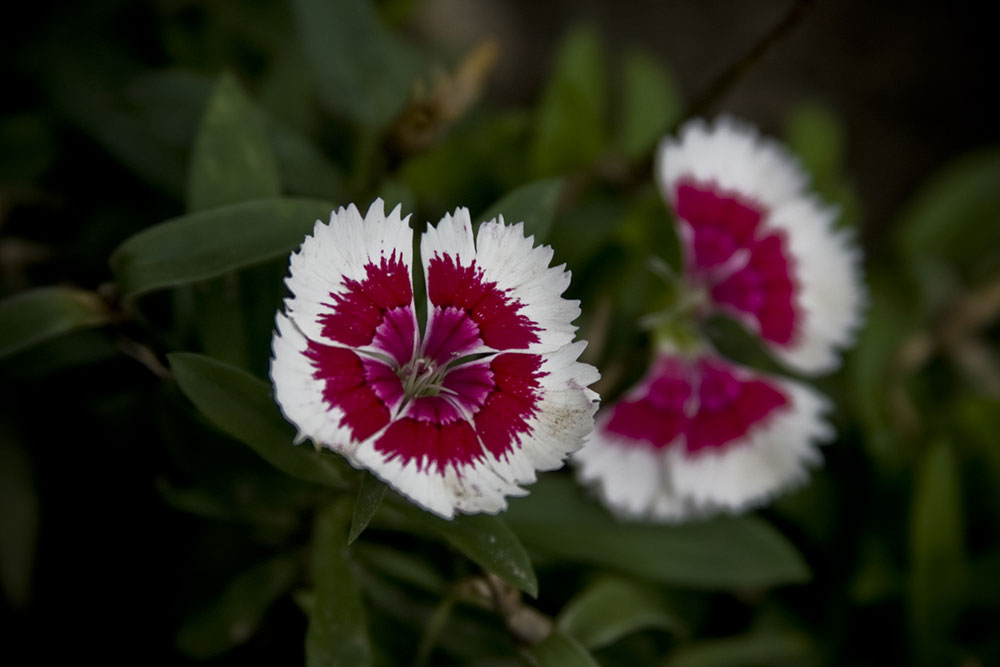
point(423, 377)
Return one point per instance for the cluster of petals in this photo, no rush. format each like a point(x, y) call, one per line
point(699, 434)
point(759, 245)
point(456, 417)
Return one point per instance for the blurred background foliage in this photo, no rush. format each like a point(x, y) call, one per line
point(159, 160)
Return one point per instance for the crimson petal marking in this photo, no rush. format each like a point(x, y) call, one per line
point(471, 383)
point(501, 324)
point(729, 407)
point(377, 308)
point(721, 223)
point(764, 289)
point(433, 434)
point(450, 333)
point(655, 416)
point(503, 418)
point(364, 390)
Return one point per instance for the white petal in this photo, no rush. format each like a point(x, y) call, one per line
point(732, 155)
point(339, 251)
point(773, 457)
point(564, 417)
point(831, 294)
point(300, 395)
point(466, 487)
point(513, 261)
point(518, 268)
point(630, 477)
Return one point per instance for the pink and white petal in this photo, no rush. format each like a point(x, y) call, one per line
point(511, 297)
point(331, 395)
point(454, 285)
point(539, 412)
point(772, 456)
point(351, 282)
point(431, 455)
point(522, 270)
point(830, 293)
point(630, 476)
point(732, 156)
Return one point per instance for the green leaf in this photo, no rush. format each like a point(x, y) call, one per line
point(484, 539)
point(570, 127)
point(39, 314)
point(370, 496)
point(651, 104)
point(757, 648)
point(232, 160)
point(937, 558)
point(241, 406)
point(233, 618)
point(870, 367)
point(558, 650)
point(18, 521)
point(955, 217)
point(533, 204)
point(304, 168)
point(433, 630)
point(815, 135)
point(210, 243)
point(364, 72)
point(338, 629)
point(725, 553)
point(401, 566)
point(610, 609)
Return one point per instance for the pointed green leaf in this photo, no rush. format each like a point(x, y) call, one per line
point(558, 519)
point(937, 557)
point(559, 650)
point(232, 160)
point(484, 539)
point(233, 618)
point(364, 72)
point(18, 522)
point(241, 406)
point(533, 204)
point(39, 314)
point(651, 104)
point(780, 649)
point(210, 243)
point(370, 496)
point(610, 609)
point(338, 628)
point(955, 217)
point(570, 127)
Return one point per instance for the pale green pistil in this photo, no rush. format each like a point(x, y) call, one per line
point(422, 377)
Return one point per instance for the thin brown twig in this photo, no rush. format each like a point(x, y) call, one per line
point(728, 77)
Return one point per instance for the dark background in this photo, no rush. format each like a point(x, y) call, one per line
point(116, 568)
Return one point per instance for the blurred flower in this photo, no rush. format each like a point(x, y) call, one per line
point(455, 419)
point(758, 245)
point(699, 435)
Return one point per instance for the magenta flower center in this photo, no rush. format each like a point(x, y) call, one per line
point(434, 399)
point(745, 269)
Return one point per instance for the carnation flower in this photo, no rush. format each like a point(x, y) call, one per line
point(758, 246)
point(461, 416)
point(699, 435)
